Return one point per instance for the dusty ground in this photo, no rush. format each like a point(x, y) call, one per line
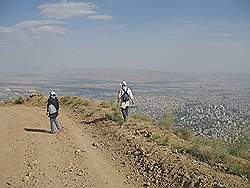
point(32, 157)
point(93, 151)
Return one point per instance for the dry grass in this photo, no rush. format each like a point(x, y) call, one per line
point(212, 151)
point(165, 141)
point(115, 115)
point(106, 104)
point(166, 121)
point(74, 101)
point(19, 100)
point(141, 117)
point(184, 133)
point(154, 137)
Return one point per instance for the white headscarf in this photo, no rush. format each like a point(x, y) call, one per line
point(52, 94)
point(124, 85)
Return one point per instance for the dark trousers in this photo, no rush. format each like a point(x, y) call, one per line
point(125, 113)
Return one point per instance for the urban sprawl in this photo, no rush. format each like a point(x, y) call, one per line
point(209, 114)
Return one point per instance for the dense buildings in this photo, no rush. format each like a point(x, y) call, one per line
point(212, 116)
point(211, 107)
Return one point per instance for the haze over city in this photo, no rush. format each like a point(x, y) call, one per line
point(196, 36)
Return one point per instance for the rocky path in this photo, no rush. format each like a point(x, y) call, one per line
point(32, 157)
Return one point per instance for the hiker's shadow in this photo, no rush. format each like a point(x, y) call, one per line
point(37, 130)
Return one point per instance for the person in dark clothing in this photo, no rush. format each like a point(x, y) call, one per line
point(52, 110)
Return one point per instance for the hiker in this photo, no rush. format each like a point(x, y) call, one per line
point(123, 98)
point(52, 110)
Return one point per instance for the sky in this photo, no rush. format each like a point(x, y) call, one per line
point(180, 36)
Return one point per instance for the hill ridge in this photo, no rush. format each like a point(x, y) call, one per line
point(141, 150)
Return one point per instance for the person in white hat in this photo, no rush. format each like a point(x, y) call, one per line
point(52, 110)
point(124, 97)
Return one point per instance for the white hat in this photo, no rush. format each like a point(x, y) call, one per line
point(124, 83)
point(52, 93)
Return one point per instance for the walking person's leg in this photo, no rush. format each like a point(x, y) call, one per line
point(52, 125)
point(56, 123)
point(123, 113)
point(126, 112)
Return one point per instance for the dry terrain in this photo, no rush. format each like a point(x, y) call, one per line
point(93, 151)
point(31, 156)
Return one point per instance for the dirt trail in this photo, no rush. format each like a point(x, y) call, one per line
point(32, 157)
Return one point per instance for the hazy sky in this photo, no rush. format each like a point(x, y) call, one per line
point(172, 35)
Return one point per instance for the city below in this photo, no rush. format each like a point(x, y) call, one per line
point(216, 106)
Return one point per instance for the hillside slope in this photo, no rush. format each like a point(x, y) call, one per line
point(31, 156)
point(93, 150)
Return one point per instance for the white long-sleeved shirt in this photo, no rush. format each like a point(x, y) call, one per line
point(119, 97)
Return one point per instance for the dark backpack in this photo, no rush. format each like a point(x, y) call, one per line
point(125, 97)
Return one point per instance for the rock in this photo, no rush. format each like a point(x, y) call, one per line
point(26, 178)
point(136, 153)
point(146, 184)
point(8, 183)
point(95, 144)
point(30, 175)
point(217, 185)
point(175, 151)
point(77, 151)
point(80, 173)
point(124, 163)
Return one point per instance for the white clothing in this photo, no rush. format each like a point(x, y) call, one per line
point(119, 97)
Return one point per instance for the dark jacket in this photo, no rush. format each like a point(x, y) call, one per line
point(55, 103)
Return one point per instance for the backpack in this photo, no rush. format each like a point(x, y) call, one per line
point(125, 97)
point(52, 109)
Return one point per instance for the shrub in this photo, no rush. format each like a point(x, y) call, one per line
point(90, 112)
point(74, 101)
point(165, 141)
point(239, 147)
point(179, 147)
point(19, 100)
point(142, 117)
point(81, 101)
point(195, 151)
point(166, 121)
point(141, 127)
point(213, 155)
point(114, 106)
point(154, 137)
point(240, 169)
point(213, 151)
point(184, 133)
point(210, 151)
point(115, 117)
point(65, 99)
point(105, 104)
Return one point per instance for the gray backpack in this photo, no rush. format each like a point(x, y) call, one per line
point(52, 109)
point(125, 96)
